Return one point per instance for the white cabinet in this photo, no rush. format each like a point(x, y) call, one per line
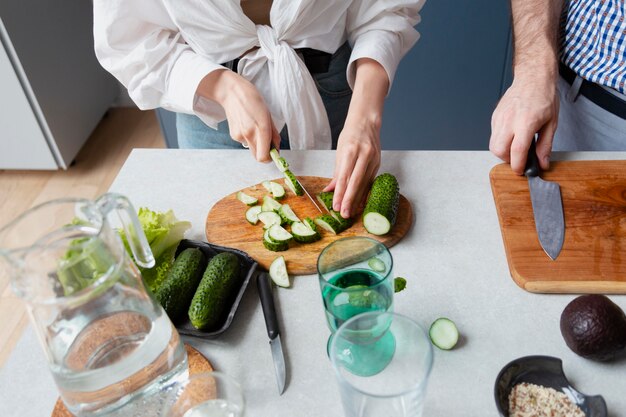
point(53, 91)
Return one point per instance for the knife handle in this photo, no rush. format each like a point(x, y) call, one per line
point(532, 162)
point(267, 303)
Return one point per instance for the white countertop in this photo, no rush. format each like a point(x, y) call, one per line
point(453, 259)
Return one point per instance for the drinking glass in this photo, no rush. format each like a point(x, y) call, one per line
point(398, 389)
point(106, 339)
point(207, 394)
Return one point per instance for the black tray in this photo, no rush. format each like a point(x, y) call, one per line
point(247, 268)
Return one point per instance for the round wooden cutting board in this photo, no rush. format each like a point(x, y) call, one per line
point(226, 225)
point(197, 364)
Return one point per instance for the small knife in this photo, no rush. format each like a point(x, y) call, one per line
point(271, 322)
point(545, 197)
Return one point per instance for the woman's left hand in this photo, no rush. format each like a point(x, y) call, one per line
point(358, 148)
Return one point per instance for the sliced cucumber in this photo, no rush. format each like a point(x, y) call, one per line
point(292, 183)
point(328, 223)
point(269, 204)
point(274, 246)
point(247, 199)
point(343, 222)
point(266, 185)
point(278, 272)
point(269, 218)
point(326, 199)
point(278, 234)
point(377, 265)
point(382, 205)
point(280, 162)
point(308, 222)
point(303, 234)
point(443, 333)
point(252, 214)
point(277, 190)
point(287, 214)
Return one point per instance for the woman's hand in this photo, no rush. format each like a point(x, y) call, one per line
point(249, 120)
point(358, 149)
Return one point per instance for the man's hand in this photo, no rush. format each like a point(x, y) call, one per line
point(529, 106)
point(249, 120)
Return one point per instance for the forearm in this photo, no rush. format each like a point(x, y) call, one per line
point(535, 26)
point(370, 89)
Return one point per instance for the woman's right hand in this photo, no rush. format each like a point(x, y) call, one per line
point(249, 119)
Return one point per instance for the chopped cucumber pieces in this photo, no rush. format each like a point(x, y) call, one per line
point(280, 162)
point(247, 199)
point(274, 246)
point(399, 284)
point(292, 183)
point(269, 218)
point(343, 222)
point(443, 333)
point(308, 222)
point(269, 204)
point(277, 233)
point(277, 190)
point(328, 223)
point(377, 265)
point(252, 214)
point(278, 272)
point(303, 234)
point(326, 199)
point(287, 214)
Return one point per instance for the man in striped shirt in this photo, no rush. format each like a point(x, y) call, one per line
point(585, 42)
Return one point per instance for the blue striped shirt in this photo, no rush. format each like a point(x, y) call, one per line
point(592, 41)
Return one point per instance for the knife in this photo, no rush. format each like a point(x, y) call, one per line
point(272, 147)
point(271, 322)
point(545, 197)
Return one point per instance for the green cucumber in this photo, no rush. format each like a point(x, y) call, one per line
point(252, 214)
point(343, 222)
point(277, 190)
point(210, 301)
point(287, 214)
point(328, 223)
point(443, 333)
point(303, 233)
point(377, 265)
point(269, 244)
point(269, 204)
point(278, 234)
point(280, 162)
point(247, 199)
point(179, 286)
point(382, 205)
point(278, 272)
point(326, 199)
point(292, 183)
point(308, 222)
point(269, 218)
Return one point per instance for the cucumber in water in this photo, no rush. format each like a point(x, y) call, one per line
point(443, 333)
point(382, 205)
point(377, 264)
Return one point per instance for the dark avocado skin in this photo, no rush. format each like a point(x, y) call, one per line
point(594, 327)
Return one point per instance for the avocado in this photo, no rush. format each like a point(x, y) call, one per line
point(594, 327)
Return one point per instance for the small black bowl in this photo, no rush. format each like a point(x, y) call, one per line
point(548, 372)
point(247, 267)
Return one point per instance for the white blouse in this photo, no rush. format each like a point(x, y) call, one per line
point(161, 50)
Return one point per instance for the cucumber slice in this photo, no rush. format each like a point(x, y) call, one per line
point(274, 246)
point(326, 199)
point(277, 233)
point(343, 222)
point(269, 218)
point(278, 272)
point(292, 183)
point(308, 222)
point(267, 186)
point(247, 199)
point(303, 234)
point(377, 265)
point(280, 162)
point(277, 190)
point(252, 214)
point(328, 223)
point(287, 214)
point(443, 333)
point(269, 204)
point(382, 205)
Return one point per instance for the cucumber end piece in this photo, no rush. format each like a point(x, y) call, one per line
point(278, 272)
point(444, 333)
point(376, 223)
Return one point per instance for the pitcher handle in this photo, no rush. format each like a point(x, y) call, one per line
point(130, 222)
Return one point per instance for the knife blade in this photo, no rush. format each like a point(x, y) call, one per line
point(271, 323)
point(302, 186)
point(547, 204)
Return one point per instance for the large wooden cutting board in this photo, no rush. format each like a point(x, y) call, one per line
point(593, 258)
point(226, 225)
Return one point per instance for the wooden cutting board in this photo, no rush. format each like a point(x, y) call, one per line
point(226, 225)
point(593, 258)
point(197, 364)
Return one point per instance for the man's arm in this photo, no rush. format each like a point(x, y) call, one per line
point(531, 104)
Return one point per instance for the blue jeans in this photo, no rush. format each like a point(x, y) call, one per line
point(332, 86)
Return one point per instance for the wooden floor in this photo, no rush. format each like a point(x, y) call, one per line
point(95, 168)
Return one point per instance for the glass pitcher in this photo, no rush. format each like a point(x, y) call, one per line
point(106, 339)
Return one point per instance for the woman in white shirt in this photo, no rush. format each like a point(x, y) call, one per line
point(168, 53)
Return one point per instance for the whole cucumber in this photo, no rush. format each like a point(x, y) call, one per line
point(380, 211)
point(219, 281)
point(179, 286)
